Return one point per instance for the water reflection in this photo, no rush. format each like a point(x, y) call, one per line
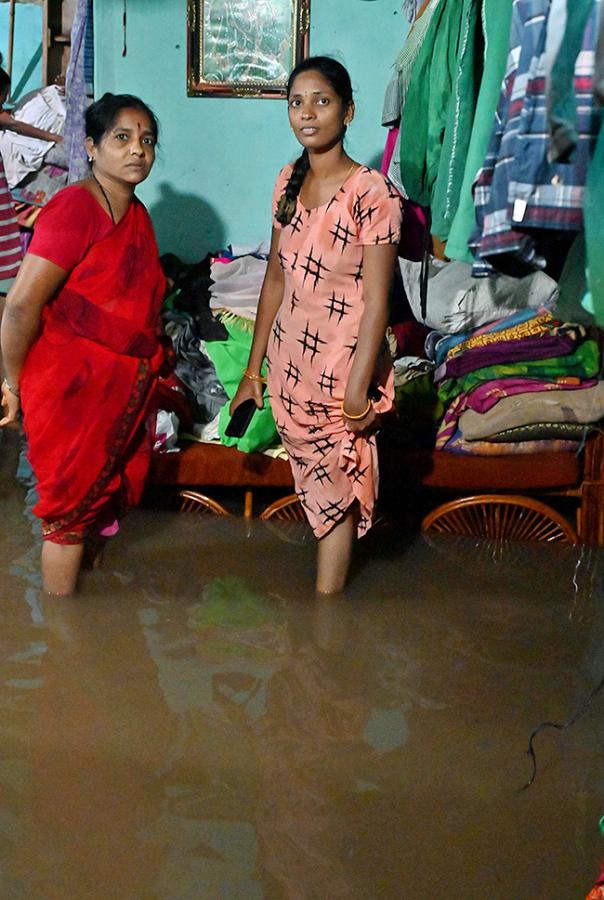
point(195, 725)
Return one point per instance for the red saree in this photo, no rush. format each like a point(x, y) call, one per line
point(88, 380)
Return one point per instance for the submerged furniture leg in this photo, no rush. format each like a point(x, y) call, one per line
point(248, 507)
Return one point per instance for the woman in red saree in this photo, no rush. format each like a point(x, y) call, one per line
point(80, 341)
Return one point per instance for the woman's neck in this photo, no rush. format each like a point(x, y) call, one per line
point(329, 163)
point(120, 190)
point(118, 193)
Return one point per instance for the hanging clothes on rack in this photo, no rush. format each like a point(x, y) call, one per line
point(571, 74)
point(528, 209)
point(496, 17)
point(432, 107)
point(396, 92)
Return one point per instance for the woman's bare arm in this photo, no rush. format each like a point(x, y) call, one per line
point(37, 282)
point(8, 122)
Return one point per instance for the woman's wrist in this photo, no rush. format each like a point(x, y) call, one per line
point(252, 375)
point(356, 413)
point(11, 388)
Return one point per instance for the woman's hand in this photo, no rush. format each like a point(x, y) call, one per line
point(356, 406)
point(11, 406)
point(247, 388)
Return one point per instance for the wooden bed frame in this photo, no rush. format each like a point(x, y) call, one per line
point(578, 477)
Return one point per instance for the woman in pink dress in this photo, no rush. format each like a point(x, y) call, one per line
point(322, 316)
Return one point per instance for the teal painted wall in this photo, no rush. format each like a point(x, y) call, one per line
point(212, 183)
point(27, 49)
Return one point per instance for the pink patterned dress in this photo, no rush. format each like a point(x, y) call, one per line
point(313, 341)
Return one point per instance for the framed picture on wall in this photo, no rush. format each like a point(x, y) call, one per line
point(244, 48)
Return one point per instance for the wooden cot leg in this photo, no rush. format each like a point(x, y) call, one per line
point(591, 514)
point(248, 509)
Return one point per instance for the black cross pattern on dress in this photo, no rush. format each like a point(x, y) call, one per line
point(323, 445)
point(278, 332)
point(360, 213)
point(281, 428)
point(341, 233)
point(352, 347)
point(393, 194)
point(294, 301)
point(313, 268)
point(335, 199)
point(358, 475)
point(288, 402)
point(292, 373)
point(316, 409)
point(296, 223)
point(333, 512)
point(357, 274)
point(337, 306)
point(314, 429)
point(327, 382)
point(298, 461)
point(295, 255)
point(302, 495)
point(321, 474)
point(282, 259)
point(364, 523)
point(310, 342)
point(389, 238)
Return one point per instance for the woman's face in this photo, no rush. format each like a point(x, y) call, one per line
point(126, 152)
point(316, 113)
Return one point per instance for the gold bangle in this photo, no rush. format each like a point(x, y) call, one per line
point(357, 418)
point(253, 377)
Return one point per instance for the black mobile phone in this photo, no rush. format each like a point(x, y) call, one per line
point(241, 418)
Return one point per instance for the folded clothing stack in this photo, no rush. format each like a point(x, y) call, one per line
point(523, 384)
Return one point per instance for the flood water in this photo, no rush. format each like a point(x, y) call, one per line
point(196, 726)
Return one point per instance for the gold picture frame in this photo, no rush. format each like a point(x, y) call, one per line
point(244, 48)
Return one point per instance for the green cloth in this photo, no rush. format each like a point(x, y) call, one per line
point(230, 359)
point(406, 59)
point(561, 98)
point(458, 130)
point(593, 213)
point(583, 363)
point(429, 94)
point(496, 22)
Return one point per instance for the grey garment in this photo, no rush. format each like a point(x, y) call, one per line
point(457, 302)
point(57, 156)
point(194, 367)
point(391, 111)
point(580, 407)
point(599, 71)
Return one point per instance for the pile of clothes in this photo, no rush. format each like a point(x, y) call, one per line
point(36, 170)
point(209, 317)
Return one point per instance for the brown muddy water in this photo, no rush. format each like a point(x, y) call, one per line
point(195, 726)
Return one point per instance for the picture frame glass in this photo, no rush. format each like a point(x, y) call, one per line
point(245, 47)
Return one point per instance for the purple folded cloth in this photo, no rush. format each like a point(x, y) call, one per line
point(541, 347)
point(485, 396)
